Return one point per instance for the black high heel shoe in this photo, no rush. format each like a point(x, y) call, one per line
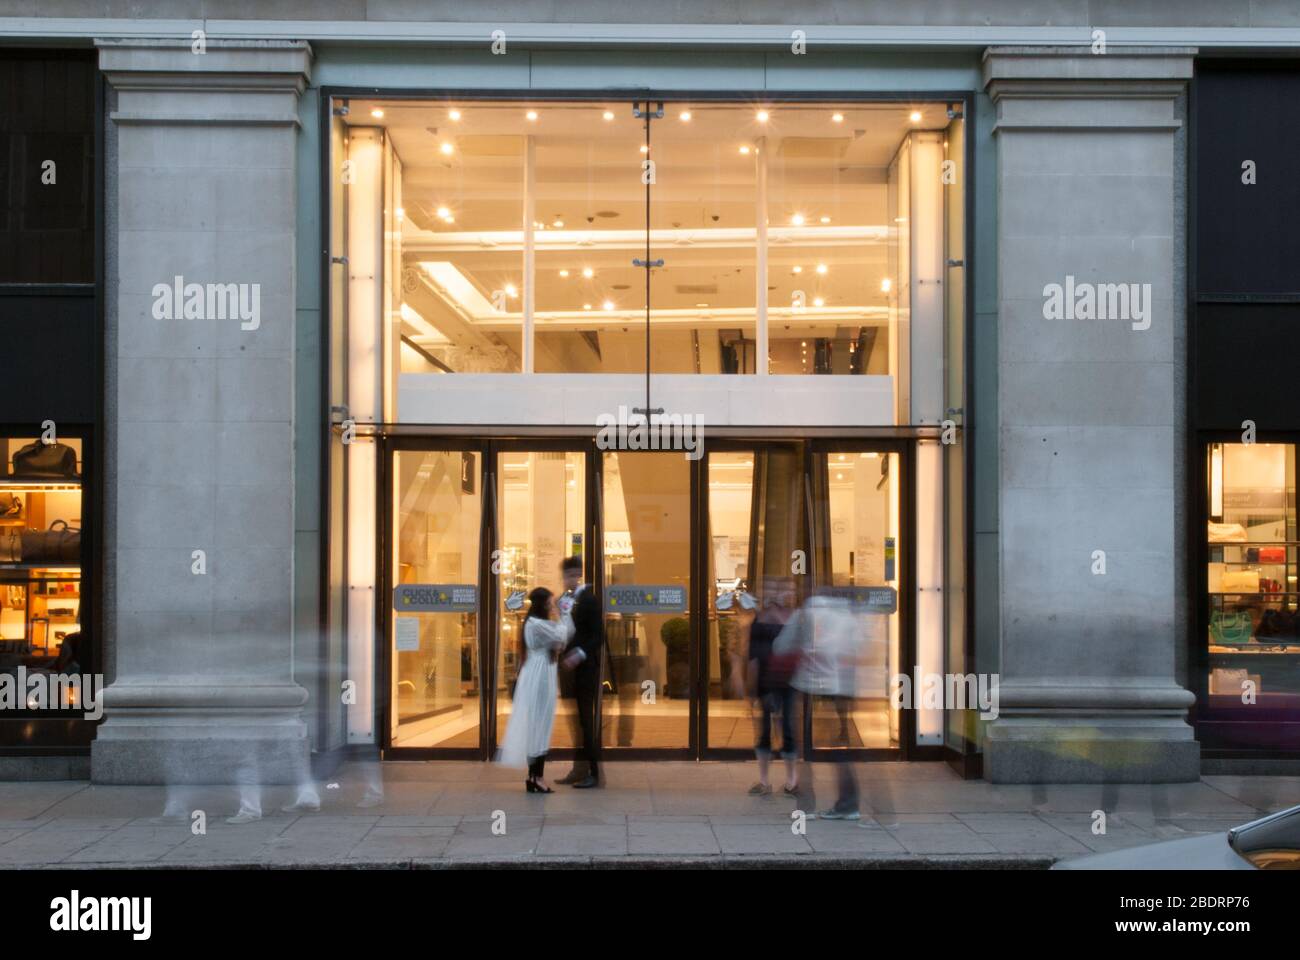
point(532, 786)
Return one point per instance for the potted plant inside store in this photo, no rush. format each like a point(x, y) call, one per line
point(676, 635)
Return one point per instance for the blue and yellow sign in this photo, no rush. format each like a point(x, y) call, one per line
point(435, 598)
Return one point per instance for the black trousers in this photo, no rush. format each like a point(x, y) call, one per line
point(586, 691)
point(535, 765)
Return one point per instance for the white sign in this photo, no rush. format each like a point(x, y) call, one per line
point(408, 634)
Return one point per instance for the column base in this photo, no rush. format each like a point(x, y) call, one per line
point(1063, 748)
point(180, 734)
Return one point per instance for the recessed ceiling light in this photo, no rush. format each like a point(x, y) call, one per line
point(588, 272)
point(685, 116)
point(377, 113)
point(444, 213)
point(885, 285)
point(744, 149)
point(701, 304)
point(531, 114)
point(558, 224)
point(564, 273)
point(916, 116)
point(761, 116)
point(818, 302)
point(447, 149)
point(401, 212)
point(826, 219)
point(821, 268)
point(449, 219)
point(586, 306)
point(608, 114)
point(798, 270)
point(797, 219)
point(645, 148)
point(608, 305)
point(512, 290)
point(454, 114)
point(837, 118)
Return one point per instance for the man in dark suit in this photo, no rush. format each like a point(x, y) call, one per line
point(582, 656)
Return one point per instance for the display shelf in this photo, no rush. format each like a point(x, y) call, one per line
point(1254, 543)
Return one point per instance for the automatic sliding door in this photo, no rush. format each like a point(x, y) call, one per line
point(434, 670)
point(753, 512)
point(541, 517)
point(646, 500)
point(859, 520)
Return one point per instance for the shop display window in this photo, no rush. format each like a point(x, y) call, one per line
point(40, 553)
point(1253, 620)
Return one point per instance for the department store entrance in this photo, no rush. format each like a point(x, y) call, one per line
point(684, 554)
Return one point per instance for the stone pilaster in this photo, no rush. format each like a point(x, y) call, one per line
point(201, 186)
point(1090, 418)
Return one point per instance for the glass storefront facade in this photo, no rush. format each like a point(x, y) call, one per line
point(508, 271)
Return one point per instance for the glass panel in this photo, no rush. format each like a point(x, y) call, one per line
point(703, 211)
point(436, 524)
point(456, 205)
point(541, 517)
point(647, 522)
point(755, 510)
point(861, 510)
point(590, 224)
point(732, 600)
point(834, 229)
point(1254, 620)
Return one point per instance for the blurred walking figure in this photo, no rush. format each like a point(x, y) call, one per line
point(769, 686)
point(528, 733)
point(582, 656)
point(829, 640)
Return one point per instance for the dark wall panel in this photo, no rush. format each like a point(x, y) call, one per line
point(1247, 237)
point(47, 114)
point(1247, 366)
point(47, 359)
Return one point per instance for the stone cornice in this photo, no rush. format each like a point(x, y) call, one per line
point(233, 82)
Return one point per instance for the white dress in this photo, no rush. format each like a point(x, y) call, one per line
point(532, 714)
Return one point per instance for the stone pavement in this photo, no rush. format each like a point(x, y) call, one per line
point(649, 815)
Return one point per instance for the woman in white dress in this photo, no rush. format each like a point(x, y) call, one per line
point(532, 713)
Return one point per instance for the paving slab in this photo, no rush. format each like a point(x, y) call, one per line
point(441, 815)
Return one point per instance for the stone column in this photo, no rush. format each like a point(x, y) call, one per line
point(200, 170)
point(1089, 187)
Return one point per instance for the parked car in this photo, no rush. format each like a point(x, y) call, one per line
point(1270, 843)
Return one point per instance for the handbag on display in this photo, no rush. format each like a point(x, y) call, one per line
point(1279, 626)
point(1230, 628)
point(40, 459)
point(13, 510)
point(1227, 533)
point(1241, 581)
point(59, 544)
point(1272, 555)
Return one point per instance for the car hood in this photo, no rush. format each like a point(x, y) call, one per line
point(1208, 852)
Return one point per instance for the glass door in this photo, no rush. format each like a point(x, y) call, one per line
point(645, 502)
point(542, 515)
point(754, 524)
point(858, 608)
point(436, 525)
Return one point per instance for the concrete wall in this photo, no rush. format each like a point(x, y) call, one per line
point(1089, 418)
point(203, 170)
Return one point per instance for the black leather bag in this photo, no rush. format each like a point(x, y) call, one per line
point(45, 460)
point(59, 544)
